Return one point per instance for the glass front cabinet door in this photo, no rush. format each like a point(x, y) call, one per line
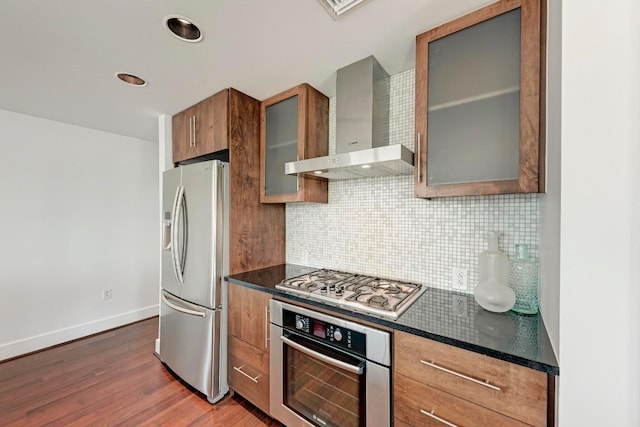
point(478, 103)
point(294, 125)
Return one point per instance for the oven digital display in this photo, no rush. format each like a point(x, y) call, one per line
point(319, 329)
point(340, 337)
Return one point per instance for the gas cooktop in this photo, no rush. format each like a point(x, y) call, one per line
point(357, 292)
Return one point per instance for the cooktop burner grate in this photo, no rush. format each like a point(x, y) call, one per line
point(384, 297)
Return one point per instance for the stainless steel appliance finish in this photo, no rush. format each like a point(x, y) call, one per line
point(382, 161)
point(357, 292)
point(193, 324)
point(340, 369)
point(362, 129)
point(362, 106)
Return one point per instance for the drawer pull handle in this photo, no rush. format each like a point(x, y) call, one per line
point(255, 380)
point(459, 375)
point(435, 417)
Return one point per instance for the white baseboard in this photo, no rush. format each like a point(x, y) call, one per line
point(38, 342)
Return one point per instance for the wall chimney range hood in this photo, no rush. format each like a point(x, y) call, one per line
point(362, 129)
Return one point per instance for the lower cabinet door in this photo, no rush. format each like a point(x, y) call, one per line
point(417, 404)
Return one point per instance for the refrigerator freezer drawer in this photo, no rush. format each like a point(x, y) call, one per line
point(190, 345)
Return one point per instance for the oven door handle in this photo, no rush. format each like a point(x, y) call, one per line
point(358, 370)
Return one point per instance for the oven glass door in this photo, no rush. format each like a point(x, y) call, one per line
point(323, 385)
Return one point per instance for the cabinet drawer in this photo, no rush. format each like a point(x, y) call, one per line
point(248, 372)
point(509, 389)
point(249, 354)
point(412, 399)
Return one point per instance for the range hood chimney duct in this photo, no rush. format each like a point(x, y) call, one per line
point(362, 129)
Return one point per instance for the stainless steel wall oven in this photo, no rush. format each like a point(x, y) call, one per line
point(327, 371)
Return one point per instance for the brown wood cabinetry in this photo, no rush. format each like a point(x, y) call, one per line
point(294, 125)
point(419, 400)
point(257, 231)
point(230, 120)
point(437, 381)
point(249, 342)
point(480, 102)
point(202, 128)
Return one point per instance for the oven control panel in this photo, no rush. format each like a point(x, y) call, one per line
point(337, 336)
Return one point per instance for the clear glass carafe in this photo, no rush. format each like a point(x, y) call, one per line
point(523, 279)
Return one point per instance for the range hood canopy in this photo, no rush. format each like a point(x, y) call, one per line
point(362, 129)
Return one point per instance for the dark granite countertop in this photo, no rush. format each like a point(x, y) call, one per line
point(515, 338)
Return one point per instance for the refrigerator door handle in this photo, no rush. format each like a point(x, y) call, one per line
point(173, 243)
point(179, 250)
point(182, 309)
point(183, 215)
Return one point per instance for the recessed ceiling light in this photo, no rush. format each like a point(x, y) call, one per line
point(131, 79)
point(182, 28)
point(337, 8)
point(365, 166)
point(318, 172)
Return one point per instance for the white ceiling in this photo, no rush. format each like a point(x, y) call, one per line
point(59, 57)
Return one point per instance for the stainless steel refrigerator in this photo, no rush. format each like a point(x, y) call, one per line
point(193, 313)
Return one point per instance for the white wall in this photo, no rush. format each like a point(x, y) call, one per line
point(78, 214)
point(550, 202)
point(165, 162)
point(600, 215)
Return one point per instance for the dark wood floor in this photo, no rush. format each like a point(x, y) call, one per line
point(110, 379)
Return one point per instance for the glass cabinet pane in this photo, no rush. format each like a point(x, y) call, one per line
point(281, 146)
point(473, 119)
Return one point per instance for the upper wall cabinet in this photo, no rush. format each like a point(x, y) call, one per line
point(294, 125)
point(478, 103)
point(202, 128)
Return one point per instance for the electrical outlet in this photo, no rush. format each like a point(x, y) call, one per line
point(106, 294)
point(459, 278)
point(459, 305)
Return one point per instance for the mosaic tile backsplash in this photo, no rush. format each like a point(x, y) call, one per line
point(376, 226)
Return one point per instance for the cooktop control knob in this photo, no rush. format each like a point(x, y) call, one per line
point(337, 335)
point(299, 324)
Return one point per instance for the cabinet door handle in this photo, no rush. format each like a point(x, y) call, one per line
point(266, 327)
point(191, 131)
point(254, 379)
point(195, 141)
point(297, 177)
point(459, 375)
point(419, 162)
point(437, 418)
